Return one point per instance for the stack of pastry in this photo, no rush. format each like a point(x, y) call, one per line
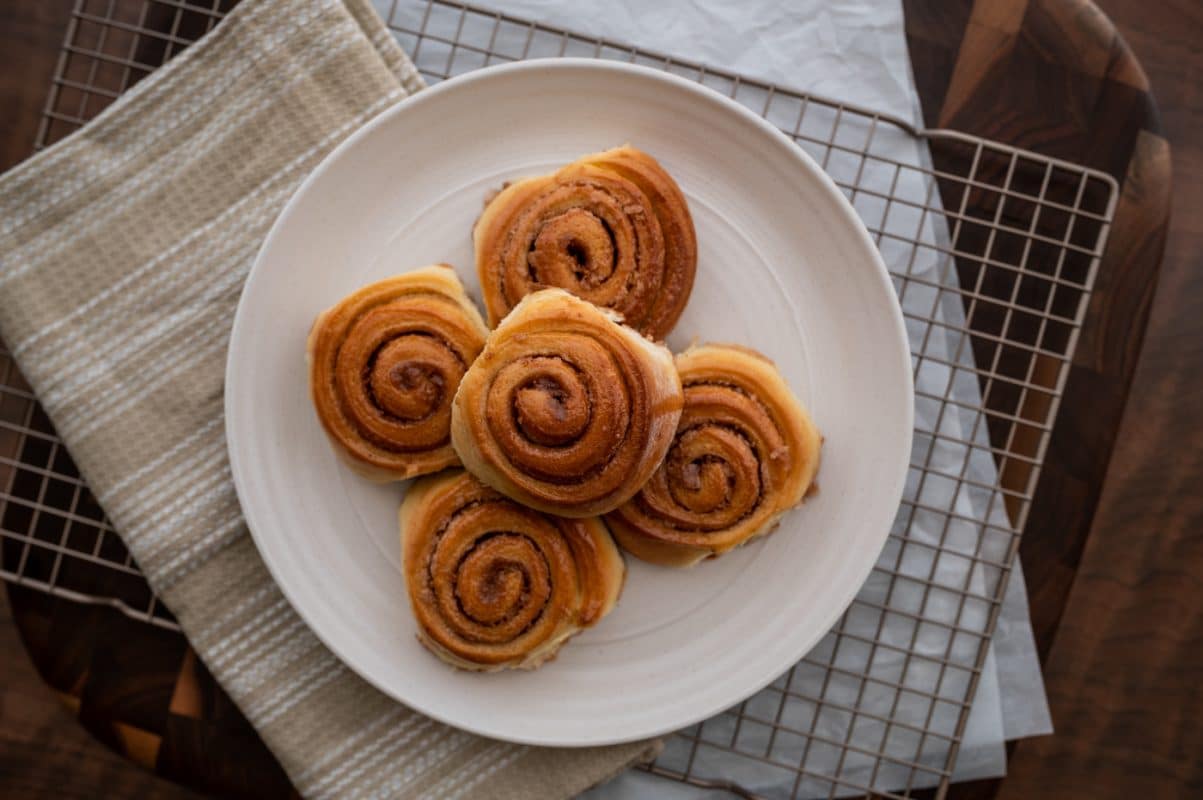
point(565, 432)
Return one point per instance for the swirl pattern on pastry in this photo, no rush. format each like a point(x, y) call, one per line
point(566, 410)
point(384, 364)
point(611, 227)
point(745, 452)
point(495, 585)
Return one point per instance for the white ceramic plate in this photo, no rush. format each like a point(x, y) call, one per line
point(784, 266)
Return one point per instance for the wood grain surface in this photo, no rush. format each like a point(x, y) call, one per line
point(44, 752)
point(1125, 667)
point(31, 34)
point(1112, 551)
point(1114, 546)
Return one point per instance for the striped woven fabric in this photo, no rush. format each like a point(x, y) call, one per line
point(123, 250)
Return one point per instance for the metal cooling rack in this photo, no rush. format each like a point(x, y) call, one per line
point(1015, 239)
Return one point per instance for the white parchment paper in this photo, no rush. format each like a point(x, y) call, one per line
point(855, 51)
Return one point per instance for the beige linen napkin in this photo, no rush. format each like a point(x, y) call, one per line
point(123, 250)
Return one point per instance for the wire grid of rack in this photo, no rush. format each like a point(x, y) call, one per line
point(1015, 238)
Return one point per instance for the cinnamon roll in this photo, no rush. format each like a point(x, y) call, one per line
point(745, 452)
point(611, 227)
point(495, 585)
point(384, 364)
point(566, 410)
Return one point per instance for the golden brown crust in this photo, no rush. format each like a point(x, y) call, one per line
point(494, 585)
point(611, 227)
point(745, 452)
point(384, 364)
point(566, 410)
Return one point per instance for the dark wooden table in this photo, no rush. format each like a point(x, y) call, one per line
point(1114, 545)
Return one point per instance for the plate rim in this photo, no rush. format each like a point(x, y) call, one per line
point(703, 93)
